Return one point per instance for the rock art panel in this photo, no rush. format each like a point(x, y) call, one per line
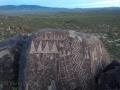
point(61, 60)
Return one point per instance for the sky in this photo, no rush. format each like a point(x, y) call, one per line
point(65, 3)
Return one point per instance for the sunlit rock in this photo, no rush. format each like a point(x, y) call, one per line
point(61, 60)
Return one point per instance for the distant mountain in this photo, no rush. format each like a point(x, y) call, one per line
point(35, 8)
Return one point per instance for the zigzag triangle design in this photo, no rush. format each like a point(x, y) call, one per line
point(32, 50)
point(39, 50)
point(54, 48)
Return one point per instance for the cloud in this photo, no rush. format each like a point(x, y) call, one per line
point(108, 2)
point(66, 3)
point(105, 3)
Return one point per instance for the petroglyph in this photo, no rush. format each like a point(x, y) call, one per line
point(41, 50)
point(60, 60)
point(32, 51)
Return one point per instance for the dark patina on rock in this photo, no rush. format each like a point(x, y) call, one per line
point(110, 77)
point(61, 60)
point(10, 50)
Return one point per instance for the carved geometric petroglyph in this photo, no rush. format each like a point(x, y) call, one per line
point(61, 59)
point(46, 49)
point(68, 53)
point(81, 72)
point(32, 50)
point(64, 54)
point(94, 54)
point(100, 47)
point(39, 50)
point(54, 48)
point(61, 44)
point(86, 54)
point(96, 57)
point(46, 37)
point(52, 36)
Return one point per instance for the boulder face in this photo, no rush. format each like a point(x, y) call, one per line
point(110, 77)
point(9, 57)
point(61, 60)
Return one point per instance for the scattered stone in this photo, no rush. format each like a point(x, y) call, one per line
point(61, 60)
point(10, 50)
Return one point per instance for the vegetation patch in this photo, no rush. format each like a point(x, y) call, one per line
point(104, 24)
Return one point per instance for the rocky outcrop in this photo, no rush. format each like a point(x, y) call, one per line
point(61, 60)
point(10, 50)
point(110, 77)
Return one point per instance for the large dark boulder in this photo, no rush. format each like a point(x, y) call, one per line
point(10, 50)
point(61, 60)
point(110, 77)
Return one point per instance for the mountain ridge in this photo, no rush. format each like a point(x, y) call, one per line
point(48, 9)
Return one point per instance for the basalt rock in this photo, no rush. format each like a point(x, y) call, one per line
point(9, 57)
point(110, 77)
point(61, 60)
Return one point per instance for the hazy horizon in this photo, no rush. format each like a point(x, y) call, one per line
point(65, 3)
